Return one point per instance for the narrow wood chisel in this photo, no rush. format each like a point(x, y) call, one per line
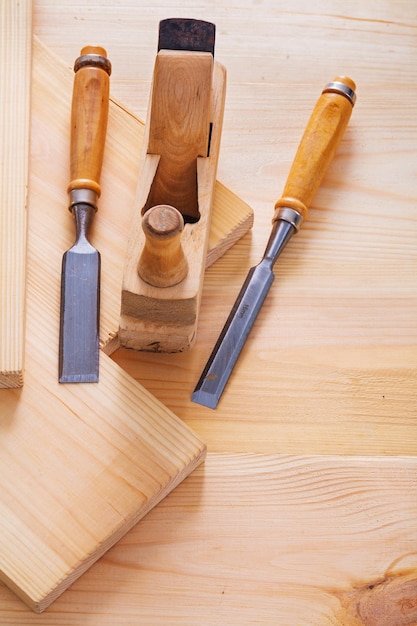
point(80, 279)
point(315, 152)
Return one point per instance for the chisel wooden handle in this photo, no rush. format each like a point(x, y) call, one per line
point(318, 145)
point(90, 107)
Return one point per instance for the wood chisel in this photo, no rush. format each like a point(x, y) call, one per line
point(80, 280)
point(315, 152)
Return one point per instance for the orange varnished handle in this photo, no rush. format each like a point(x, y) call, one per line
point(318, 145)
point(90, 107)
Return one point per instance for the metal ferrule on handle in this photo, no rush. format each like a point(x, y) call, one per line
point(83, 196)
point(93, 60)
point(291, 216)
point(341, 88)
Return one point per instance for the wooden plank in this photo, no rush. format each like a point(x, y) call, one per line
point(79, 464)
point(15, 83)
point(260, 539)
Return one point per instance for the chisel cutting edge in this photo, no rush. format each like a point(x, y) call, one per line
point(80, 280)
point(315, 152)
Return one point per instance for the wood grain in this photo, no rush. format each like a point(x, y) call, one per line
point(181, 93)
point(15, 89)
point(331, 366)
point(260, 539)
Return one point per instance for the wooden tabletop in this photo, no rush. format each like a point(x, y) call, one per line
point(305, 510)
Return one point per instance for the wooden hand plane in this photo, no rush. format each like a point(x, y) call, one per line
point(166, 252)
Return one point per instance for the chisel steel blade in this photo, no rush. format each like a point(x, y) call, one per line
point(240, 321)
point(79, 331)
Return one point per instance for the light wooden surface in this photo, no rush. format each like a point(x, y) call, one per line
point(261, 533)
point(15, 90)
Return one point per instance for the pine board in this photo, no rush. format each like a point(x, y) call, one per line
point(15, 80)
point(260, 539)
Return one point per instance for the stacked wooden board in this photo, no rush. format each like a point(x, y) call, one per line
point(15, 83)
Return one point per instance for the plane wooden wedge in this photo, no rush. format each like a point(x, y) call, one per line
point(80, 281)
point(168, 243)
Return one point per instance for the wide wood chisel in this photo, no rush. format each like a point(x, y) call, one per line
point(80, 281)
point(315, 152)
